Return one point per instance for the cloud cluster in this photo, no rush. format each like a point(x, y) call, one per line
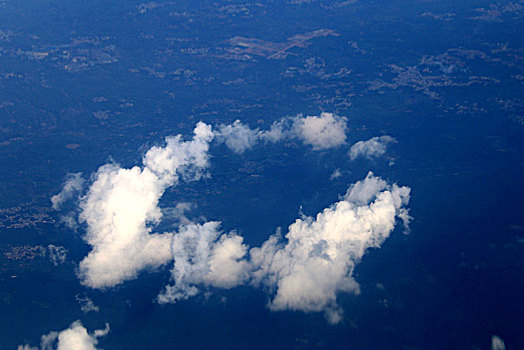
point(75, 337)
point(304, 270)
point(121, 204)
point(372, 148)
point(321, 132)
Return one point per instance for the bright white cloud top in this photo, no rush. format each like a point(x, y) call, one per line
point(305, 270)
point(122, 202)
point(372, 148)
point(75, 337)
point(320, 254)
point(322, 132)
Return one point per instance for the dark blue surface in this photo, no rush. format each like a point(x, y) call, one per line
point(452, 283)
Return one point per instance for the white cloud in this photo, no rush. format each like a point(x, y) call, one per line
point(75, 337)
point(178, 158)
point(497, 343)
point(305, 271)
point(278, 131)
point(320, 254)
point(121, 204)
point(73, 185)
point(204, 256)
point(323, 132)
point(86, 304)
point(237, 136)
point(372, 148)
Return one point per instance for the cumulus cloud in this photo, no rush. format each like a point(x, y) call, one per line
point(75, 337)
point(121, 205)
point(305, 270)
point(372, 148)
point(237, 136)
point(317, 260)
point(72, 186)
point(205, 256)
point(69, 220)
point(321, 132)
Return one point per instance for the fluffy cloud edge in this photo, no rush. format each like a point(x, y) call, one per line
point(372, 148)
point(76, 337)
point(322, 132)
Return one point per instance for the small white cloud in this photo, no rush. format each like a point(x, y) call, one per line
point(178, 158)
point(323, 132)
point(372, 148)
point(75, 337)
point(497, 343)
point(237, 136)
point(73, 185)
point(86, 304)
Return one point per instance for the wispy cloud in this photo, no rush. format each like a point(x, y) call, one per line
point(86, 304)
point(72, 186)
point(372, 148)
